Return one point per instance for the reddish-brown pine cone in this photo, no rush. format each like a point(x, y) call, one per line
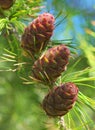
point(38, 33)
point(6, 4)
point(50, 66)
point(60, 99)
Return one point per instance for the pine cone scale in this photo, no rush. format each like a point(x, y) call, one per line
point(52, 63)
point(60, 99)
point(42, 29)
point(6, 4)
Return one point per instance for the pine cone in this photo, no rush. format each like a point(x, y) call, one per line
point(38, 33)
point(50, 66)
point(60, 99)
point(6, 4)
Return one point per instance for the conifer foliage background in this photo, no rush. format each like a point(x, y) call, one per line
point(20, 96)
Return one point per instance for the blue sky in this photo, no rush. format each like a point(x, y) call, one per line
point(78, 21)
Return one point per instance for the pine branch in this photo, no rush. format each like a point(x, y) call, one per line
point(62, 125)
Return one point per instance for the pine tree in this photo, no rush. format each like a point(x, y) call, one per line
point(44, 78)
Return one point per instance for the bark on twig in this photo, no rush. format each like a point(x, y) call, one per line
point(62, 124)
